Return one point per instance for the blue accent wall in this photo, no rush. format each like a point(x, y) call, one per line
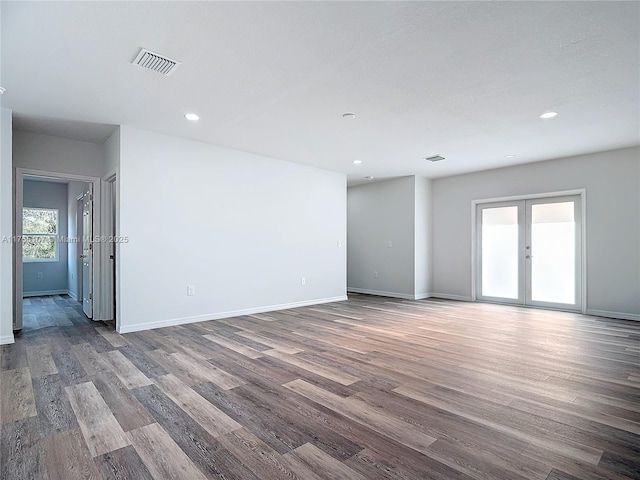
point(38, 194)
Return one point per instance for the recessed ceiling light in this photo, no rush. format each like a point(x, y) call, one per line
point(357, 162)
point(509, 156)
point(548, 114)
point(192, 117)
point(348, 115)
point(369, 177)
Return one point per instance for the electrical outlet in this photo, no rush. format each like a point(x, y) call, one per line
point(339, 243)
point(375, 274)
point(191, 290)
point(303, 281)
point(389, 244)
point(40, 275)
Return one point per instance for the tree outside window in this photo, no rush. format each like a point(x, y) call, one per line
point(39, 234)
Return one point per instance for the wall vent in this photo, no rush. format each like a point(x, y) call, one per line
point(156, 62)
point(435, 158)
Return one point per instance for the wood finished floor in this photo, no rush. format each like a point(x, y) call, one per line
point(371, 388)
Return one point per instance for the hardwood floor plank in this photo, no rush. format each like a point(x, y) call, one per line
point(143, 362)
point(375, 388)
point(122, 464)
point(235, 346)
point(200, 446)
point(68, 457)
point(207, 415)
point(113, 337)
point(22, 450)
point(70, 369)
point(101, 431)
point(55, 414)
point(394, 428)
point(162, 456)
point(330, 373)
point(16, 395)
point(124, 406)
point(262, 460)
point(40, 361)
point(92, 361)
point(126, 371)
point(308, 458)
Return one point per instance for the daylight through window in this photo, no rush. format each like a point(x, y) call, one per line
point(39, 235)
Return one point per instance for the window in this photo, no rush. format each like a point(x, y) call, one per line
point(39, 235)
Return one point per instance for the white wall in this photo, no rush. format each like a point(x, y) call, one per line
point(612, 182)
point(112, 153)
point(379, 213)
point(6, 228)
point(54, 154)
point(422, 263)
point(242, 228)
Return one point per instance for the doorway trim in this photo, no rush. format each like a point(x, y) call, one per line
point(581, 192)
point(18, 199)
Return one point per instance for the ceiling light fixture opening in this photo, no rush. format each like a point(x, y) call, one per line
point(357, 162)
point(510, 156)
point(348, 115)
point(369, 177)
point(192, 117)
point(2, 90)
point(548, 114)
point(435, 158)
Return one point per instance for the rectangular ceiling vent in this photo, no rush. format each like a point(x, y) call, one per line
point(435, 158)
point(156, 62)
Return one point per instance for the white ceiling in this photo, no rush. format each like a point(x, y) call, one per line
point(466, 80)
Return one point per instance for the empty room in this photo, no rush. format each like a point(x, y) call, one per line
point(320, 240)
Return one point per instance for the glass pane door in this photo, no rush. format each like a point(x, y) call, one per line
point(501, 265)
point(553, 252)
point(529, 252)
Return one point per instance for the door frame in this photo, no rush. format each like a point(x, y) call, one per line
point(18, 285)
point(582, 193)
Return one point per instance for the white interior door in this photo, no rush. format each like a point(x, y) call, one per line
point(87, 254)
point(529, 252)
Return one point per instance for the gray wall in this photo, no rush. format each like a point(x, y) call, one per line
point(379, 213)
point(6, 228)
point(54, 279)
point(423, 277)
point(242, 228)
point(612, 182)
point(54, 154)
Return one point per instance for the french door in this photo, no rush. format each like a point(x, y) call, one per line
point(529, 252)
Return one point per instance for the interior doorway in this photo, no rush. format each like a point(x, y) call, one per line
point(51, 260)
point(530, 252)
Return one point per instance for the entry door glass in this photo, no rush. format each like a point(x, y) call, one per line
point(529, 252)
point(553, 239)
point(500, 252)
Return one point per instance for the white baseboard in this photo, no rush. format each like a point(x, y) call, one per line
point(7, 339)
point(447, 296)
point(421, 296)
point(45, 293)
point(73, 295)
point(136, 327)
point(620, 315)
point(382, 293)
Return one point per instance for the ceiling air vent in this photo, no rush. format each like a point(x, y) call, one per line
point(435, 158)
point(156, 62)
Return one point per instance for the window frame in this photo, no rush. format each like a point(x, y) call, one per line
point(54, 236)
